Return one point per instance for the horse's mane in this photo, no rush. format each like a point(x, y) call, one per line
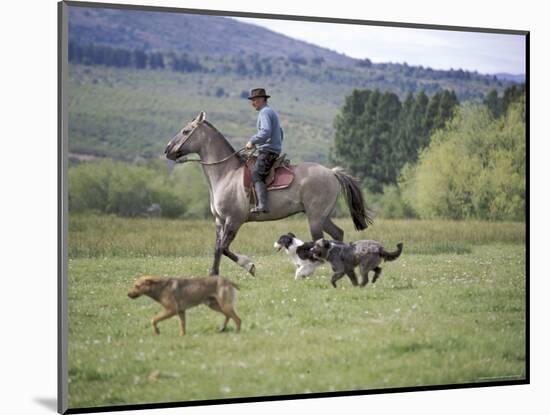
point(212, 126)
point(242, 160)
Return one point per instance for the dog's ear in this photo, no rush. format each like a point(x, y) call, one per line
point(326, 244)
point(149, 280)
point(291, 235)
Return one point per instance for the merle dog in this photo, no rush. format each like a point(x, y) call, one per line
point(299, 253)
point(345, 257)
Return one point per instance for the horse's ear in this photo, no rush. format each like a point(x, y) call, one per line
point(201, 117)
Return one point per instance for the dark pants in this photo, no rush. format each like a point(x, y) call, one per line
point(263, 165)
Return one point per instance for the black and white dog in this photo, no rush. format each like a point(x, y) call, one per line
point(299, 253)
point(344, 257)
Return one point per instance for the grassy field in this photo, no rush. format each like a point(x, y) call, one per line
point(451, 310)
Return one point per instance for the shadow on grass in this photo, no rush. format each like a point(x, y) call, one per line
point(438, 248)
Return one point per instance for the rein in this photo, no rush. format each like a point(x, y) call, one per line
point(184, 159)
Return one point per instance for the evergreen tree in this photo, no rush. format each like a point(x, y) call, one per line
point(375, 135)
point(417, 125)
point(447, 105)
point(512, 94)
point(160, 61)
point(432, 111)
point(348, 141)
point(440, 109)
point(407, 140)
point(156, 61)
point(498, 106)
point(140, 59)
point(493, 103)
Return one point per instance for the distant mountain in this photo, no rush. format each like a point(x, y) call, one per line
point(187, 33)
point(509, 77)
point(220, 45)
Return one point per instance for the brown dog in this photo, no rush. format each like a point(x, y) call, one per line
point(179, 294)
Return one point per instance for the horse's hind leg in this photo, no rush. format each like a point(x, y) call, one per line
point(217, 250)
point(319, 202)
point(316, 228)
point(333, 230)
point(319, 221)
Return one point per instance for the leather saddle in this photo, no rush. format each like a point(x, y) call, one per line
point(280, 176)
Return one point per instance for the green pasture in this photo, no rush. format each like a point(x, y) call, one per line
point(128, 113)
point(450, 310)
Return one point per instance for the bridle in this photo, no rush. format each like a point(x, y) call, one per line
point(184, 159)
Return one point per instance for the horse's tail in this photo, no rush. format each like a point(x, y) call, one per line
point(361, 216)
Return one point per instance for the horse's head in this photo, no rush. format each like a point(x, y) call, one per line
point(182, 143)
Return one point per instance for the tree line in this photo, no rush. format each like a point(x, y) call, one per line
point(93, 54)
point(467, 85)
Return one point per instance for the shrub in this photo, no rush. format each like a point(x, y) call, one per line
point(473, 168)
point(123, 189)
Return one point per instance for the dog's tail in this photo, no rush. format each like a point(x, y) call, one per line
point(361, 216)
point(227, 294)
point(224, 281)
point(232, 294)
point(390, 256)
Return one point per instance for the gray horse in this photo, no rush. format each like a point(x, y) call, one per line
point(314, 191)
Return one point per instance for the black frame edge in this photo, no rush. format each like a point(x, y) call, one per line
point(62, 209)
point(320, 19)
point(527, 197)
point(183, 404)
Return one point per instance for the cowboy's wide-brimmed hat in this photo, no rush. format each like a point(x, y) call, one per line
point(258, 93)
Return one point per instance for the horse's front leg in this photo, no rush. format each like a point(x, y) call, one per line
point(242, 260)
point(228, 234)
point(230, 230)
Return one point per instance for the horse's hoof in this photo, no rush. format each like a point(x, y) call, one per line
point(252, 269)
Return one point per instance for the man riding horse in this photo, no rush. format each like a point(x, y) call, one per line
point(314, 190)
point(268, 140)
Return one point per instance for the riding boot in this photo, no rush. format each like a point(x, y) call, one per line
point(261, 196)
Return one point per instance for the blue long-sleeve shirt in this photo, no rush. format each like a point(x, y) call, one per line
point(270, 134)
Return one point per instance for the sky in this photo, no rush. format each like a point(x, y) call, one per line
point(486, 53)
